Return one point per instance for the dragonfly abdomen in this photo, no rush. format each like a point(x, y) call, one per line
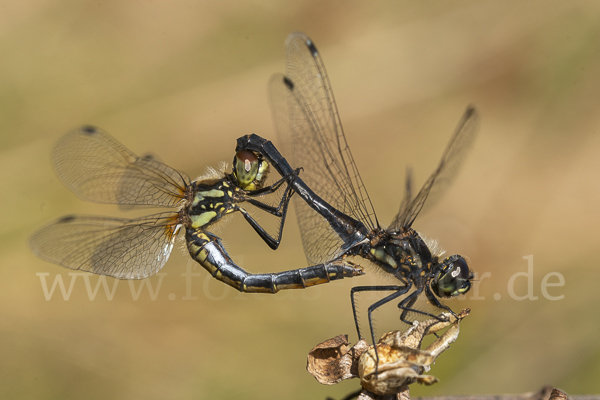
point(208, 251)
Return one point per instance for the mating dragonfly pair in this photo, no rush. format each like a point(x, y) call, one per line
point(335, 214)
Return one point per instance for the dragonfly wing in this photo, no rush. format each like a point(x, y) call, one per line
point(321, 243)
point(439, 181)
point(121, 248)
point(97, 168)
point(309, 126)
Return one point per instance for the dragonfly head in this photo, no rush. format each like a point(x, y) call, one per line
point(250, 170)
point(453, 277)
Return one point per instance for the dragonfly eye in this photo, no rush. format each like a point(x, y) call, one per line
point(246, 168)
point(250, 170)
point(453, 279)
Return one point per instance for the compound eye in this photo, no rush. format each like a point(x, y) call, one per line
point(246, 167)
point(460, 269)
point(454, 279)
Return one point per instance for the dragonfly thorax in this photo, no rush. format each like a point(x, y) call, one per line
point(401, 253)
point(406, 255)
point(210, 200)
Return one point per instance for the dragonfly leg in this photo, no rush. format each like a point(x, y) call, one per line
point(209, 252)
point(406, 306)
point(280, 211)
point(400, 291)
point(435, 301)
point(269, 240)
point(289, 178)
point(281, 208)
point(381, 302)
point(356, 289)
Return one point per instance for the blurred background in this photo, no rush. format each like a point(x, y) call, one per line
point(184, 79)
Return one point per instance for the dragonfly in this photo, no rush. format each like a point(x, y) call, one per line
point(335, 214)
point(97, 168)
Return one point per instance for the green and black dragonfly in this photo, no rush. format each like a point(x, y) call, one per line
point(335, 214)
point(97, 168)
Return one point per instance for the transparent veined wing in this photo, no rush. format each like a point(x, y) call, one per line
point(97, 168)
point(310, 129)
point(121, 248)
point(439, 181)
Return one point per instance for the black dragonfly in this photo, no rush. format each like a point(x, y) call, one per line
point(98, 168)
point(335, 214)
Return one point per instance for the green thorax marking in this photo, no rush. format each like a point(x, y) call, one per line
point(211, 200)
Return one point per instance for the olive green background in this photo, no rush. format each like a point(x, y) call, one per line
point(184, 79)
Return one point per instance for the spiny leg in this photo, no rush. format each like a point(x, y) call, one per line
point(399, 291)
point(269, 240)
point(280, 211)
point(436, 302)
point(406, 306)
point(208, 251)
point(370, 289)
point(376, 305)
point(276, 211)
point(407, 303)
point(289, 178)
